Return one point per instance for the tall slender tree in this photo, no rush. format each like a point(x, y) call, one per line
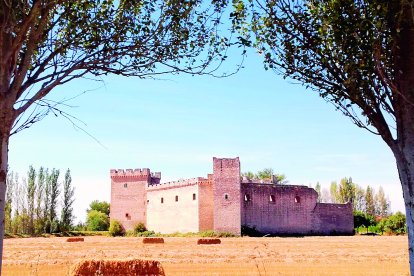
point(54, 197)
point(40, 190)
point(369, 201)
point(31, 190)
point(67, 202)
point(381, 203)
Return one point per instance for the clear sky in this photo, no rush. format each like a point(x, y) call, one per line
point(176, 126)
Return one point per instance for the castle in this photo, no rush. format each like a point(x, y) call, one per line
point(223, 202)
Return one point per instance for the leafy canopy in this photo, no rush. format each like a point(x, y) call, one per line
point(51, 42)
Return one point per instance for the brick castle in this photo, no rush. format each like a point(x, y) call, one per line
point(223, 202)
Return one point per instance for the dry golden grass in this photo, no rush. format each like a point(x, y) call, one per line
point(359, 255)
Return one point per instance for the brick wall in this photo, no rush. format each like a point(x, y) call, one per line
point(331, 219)
point(278, 209)
point(206, 205)
point(226, 191)
point(128, 196)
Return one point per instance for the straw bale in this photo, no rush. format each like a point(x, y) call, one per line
point(153, 240)
point(74, 239)
point(117, 267)
point(208, 241)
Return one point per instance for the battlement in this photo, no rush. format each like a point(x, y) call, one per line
point(178, 183)
point(220, 163)
point(131, 175)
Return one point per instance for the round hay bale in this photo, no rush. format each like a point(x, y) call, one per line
point(117, 267)
point(208, 241)
point(153, 240)
point(74, 239)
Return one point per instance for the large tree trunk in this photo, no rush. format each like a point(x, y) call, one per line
point(403, 147)
point(4, 138)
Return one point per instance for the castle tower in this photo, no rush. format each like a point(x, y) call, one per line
point(128, 196)
point(227, 198)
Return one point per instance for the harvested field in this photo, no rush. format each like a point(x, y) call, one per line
point(208, 241)
point(152, 240)
point(77, 239)
point(359, 255)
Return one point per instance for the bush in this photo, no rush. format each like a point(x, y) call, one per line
point(139, 228)
point(394, 224)
point(363, 219)
point(116, 229)
point(97, 221)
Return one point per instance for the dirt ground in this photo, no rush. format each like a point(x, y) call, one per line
point(358, 255)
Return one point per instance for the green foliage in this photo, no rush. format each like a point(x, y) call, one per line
point(116, 229)
point(346, 191)
point(139, 228)
point(101, 206)
point(68, 199)
point(394, 224)
point(97, 221)
point(369, 201)
point(268, 175)
point(363, 219)
point(334, 192)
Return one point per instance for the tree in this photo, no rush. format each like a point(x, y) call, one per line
point(54, 195)
point(334, 192)
point(248, 175)
point(369, 202)
point(68, 199)
point(359, 202)
point(97, 221)
point(47, 43)
point(265, 174)
point(381, 203)
point(356, 55)
point(318, 190)
point(40, 222)
point(31, 190)
point(100, 206)
point(346, 191)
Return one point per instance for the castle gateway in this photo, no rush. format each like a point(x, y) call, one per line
point(223, 202)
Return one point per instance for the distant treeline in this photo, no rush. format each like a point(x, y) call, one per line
point(33, 202)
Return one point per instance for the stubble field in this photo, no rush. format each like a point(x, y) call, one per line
point(358, 255)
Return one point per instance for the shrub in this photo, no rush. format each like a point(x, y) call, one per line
point(139, 228)
point(97, 221)
point(116, 229)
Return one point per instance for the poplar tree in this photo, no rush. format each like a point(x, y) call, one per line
point(67, 202)
point(53, 202)
point(369, 201)
point(31, 190)
point(318, 190)
point(40, 222)
point(381, 203)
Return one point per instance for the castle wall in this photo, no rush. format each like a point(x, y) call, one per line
point(171, 216)
point(128, 196)
point(226, 191)
point(206, 204)
point(331, 219)
point(278, 209)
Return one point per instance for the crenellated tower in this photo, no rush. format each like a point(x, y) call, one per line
point(226, 194)
point(128, 195)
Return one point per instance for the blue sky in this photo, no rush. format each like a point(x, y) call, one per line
point(176, 125)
